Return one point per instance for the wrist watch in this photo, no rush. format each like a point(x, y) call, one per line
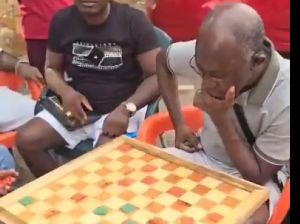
point(131, 108)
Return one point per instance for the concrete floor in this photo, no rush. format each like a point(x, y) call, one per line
point(186, 96)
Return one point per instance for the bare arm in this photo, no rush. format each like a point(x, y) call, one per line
point(169, 90)
point(270, 152)
point(146, 48)
point(7, 62)
point(252, 167)
point(54, 73)
point(148, 91)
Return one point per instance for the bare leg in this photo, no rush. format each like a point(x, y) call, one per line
point(34, 139)
point(260, 217)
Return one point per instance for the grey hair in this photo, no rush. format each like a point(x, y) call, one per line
point(249, 34)
point(252, 38)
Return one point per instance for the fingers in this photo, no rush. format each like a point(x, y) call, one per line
point(3, 192)
point(8, 173)
point(187, 148)
point(86, 103)
point(79, 114)
point(38, 82)
point(196, 143)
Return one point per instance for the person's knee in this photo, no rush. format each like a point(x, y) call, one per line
point(7, 161)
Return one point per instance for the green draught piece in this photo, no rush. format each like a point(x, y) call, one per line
point(130, 222)
point(101, 211)
point(188, 144)
point(26, 201)
point(127, 208)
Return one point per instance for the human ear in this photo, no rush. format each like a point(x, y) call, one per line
point(258, 59)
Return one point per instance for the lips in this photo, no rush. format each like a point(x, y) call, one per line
point(87, 3)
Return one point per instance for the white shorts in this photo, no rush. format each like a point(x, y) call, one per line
point(93, 131)
point(16, 110)
point(203, 159)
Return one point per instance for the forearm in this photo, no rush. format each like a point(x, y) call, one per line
point(243, 158)
point(7, 62)
point(56, 82)
point(147, 92)
point(168, 85)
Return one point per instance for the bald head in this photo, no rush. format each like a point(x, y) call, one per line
point(230, 49)
point(235, 23)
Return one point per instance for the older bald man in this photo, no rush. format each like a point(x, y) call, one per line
point(241, 79)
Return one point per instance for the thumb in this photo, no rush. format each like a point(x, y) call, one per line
point(196, 142)
point(230, 95)
point(86, 103)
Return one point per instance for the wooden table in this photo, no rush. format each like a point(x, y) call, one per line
point(128, 181)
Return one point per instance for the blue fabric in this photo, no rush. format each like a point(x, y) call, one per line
point(132, 135)
point(7, 161)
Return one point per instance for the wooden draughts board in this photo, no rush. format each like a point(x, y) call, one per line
point(130, 182)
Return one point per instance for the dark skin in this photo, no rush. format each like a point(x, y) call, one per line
point(226, 70)
point(30, 141)
point(9, 64)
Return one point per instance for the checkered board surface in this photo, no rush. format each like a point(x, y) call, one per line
point(129, 186)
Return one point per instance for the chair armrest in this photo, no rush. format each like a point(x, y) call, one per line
point(8, 139)
point(158, 124)
point(11, 80)
point(283, 206)
point(35, 90)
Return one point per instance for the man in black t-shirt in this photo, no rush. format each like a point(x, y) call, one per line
point(109, 51)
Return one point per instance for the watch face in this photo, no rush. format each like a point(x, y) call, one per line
point(131, 107)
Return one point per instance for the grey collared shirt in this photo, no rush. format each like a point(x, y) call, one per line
point(267, 107)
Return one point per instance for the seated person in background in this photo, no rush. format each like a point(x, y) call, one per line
point(109, 50)
point(7, 169)
point(16, 109)
point(236, 65)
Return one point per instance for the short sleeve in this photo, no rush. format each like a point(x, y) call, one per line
point(181, 62)
point(143, 31)
point(55, 31)
point(274, 145)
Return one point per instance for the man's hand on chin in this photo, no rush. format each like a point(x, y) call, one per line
point(117, 122)
point(217, 109)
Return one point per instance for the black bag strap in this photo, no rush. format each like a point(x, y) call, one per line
point(240, 114)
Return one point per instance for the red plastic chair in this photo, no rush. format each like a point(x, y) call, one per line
point(14, 82)
point(158, 124)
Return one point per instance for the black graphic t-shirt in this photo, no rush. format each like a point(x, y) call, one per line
point(102, 60)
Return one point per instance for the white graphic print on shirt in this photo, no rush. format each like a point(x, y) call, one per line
point(98, 57)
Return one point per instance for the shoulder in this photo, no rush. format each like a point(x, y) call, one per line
point(278, 105)
point(280, 95)
point(180, 57)
point(125, 11)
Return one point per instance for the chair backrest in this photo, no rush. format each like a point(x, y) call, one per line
point(164, 39)
point(283, 207)
point(12, 81)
